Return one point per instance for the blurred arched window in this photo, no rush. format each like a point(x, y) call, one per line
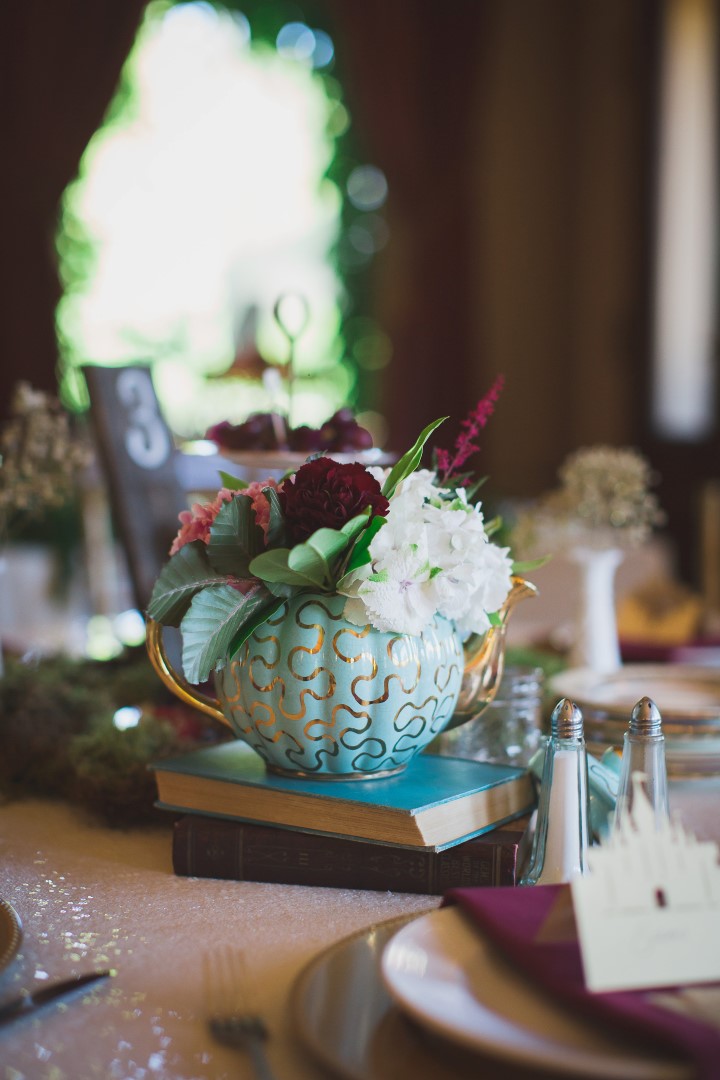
point(204, 197)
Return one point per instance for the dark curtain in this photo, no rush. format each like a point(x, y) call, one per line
point(411, 69)
point(517, 143)
point(59, 64)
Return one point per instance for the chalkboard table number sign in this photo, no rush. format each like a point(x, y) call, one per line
point(138, 456)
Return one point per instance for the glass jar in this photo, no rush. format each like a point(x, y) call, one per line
point(509, 729)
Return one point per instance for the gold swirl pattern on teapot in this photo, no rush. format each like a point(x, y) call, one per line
point(319, 695)
point(377, 699)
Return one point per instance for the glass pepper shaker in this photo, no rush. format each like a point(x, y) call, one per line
point(643, 762)
point(560, 844)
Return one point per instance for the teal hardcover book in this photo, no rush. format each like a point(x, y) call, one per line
point(434, 803)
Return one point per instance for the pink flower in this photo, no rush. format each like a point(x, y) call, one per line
point(261, 506)
point(447, 464)
point(195, 523)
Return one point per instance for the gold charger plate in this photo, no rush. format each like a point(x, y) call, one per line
point(347, 1019)
point(10, 933)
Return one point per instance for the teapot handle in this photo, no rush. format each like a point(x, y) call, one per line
point(180, 687)
point(485, 660)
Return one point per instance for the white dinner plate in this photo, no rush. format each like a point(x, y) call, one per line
point(441, 971)
point(685, 694)
point(10, 933)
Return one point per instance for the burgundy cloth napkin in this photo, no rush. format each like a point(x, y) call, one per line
point(519, 921)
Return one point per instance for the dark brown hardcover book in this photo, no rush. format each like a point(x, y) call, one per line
point(217, 848)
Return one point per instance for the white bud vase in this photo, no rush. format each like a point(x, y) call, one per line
point(596, 644)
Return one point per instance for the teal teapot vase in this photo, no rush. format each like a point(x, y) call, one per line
point(317, 696)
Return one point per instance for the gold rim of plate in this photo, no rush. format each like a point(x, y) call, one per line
point(379, 999)
point(10, 933)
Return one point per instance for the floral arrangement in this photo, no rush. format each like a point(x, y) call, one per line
point(604, 500)
point(40, 457)
point(402, 545)
point(341, 433)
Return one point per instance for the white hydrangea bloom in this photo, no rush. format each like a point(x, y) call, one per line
point(396, 597)
point(418, 487)
point(432, 556)
point(493, 581)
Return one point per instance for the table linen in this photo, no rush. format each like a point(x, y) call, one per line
point(90, 896)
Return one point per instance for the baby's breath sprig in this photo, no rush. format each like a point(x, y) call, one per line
point(604, 500)
point(40, 457)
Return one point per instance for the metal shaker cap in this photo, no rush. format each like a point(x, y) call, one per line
point(566, 721)
point(645, 718)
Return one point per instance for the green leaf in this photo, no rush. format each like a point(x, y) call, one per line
point(492, 526)
point(409, 462)
point(494, 618)
point(232, 483)
point(327, 543)
point(355, 526)
point(187, 571)
point(276, 534)
point(252, 624)
point(272, 566)
point(332, 542)
point(360, 554)
point(235, 538)
point(532, 564)
point(358, 558)
point(309, 563)
point(214, 620)
point(279, 588)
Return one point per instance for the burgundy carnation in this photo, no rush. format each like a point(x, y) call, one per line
point(325, 494)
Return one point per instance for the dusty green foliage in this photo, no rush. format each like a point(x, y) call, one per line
point(110, 769)
point(58, 740)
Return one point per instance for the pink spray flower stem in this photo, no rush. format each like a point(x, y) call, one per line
point(449, 466)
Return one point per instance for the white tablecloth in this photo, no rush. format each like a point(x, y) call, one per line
point(93, 897)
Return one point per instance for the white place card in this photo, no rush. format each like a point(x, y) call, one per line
point(648, 910)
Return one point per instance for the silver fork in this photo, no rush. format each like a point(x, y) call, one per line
point(230, 1019)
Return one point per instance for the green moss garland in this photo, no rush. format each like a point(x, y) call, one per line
point(58, 739)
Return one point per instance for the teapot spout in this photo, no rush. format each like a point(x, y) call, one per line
point(485, 660)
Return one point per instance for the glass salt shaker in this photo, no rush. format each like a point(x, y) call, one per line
point(559, 850)
point(643, 761)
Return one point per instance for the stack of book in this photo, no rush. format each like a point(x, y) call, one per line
point(442, 823)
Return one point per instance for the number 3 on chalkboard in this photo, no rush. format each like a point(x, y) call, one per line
point(146, 438)
point(138, 455)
